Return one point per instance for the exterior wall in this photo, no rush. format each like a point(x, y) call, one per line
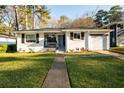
point(73, 44)
point(100, 43)
point(27, 47)
point(5, 40)
point(70, 45)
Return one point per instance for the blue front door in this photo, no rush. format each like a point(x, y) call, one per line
point(60, 40)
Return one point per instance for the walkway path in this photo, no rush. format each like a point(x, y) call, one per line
point(57, 76)
point(121, 56)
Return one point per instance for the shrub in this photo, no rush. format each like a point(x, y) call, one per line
point(11, 48)
point(3, 47)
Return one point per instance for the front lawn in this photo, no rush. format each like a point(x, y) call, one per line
point(24, 69)
point(80, 53)
point(95, 72)
point(118, 49)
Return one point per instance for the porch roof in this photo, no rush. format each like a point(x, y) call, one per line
point(4, 35)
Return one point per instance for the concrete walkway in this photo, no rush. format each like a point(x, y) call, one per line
point(121, 56)
point(57, 76)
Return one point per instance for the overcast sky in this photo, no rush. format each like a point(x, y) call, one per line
point(74, 11)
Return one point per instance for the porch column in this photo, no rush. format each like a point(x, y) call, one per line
point(86, 35)
point(67, 37)
point(57, 39)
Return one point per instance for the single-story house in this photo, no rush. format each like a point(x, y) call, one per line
point(7, 39)
point(40, 40)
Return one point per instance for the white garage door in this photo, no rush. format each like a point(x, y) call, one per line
point(96, 43)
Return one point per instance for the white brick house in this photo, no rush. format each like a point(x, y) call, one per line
point(40, 40)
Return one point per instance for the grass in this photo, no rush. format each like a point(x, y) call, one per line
point(80, 53)
point(95, 72)
point(24, 70)
point(118, 49)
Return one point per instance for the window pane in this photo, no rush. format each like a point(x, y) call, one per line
point(77, 35)
point(30, 38)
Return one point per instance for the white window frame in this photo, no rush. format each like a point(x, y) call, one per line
point(76, 38)
point(31, 39)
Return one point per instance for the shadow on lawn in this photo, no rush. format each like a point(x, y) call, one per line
point(102, 72)
point(23, 78)
point(28, 76)
point(10, 59)
point(44, 55)
point(21, 58)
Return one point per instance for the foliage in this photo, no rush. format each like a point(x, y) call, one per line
point(4, 28)
point(104, 17)
point(7, 48)
point(96, 72)
point(27, 16)
point(101, 17)
point(11, 48)
point(87, 22)
point(64, 22)
point(115, 13)
point(43, 15)
point(3, 48)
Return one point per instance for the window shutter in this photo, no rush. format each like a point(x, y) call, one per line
point(71, 35)
point(37, 38)
point(82, 35)
point(23, 38)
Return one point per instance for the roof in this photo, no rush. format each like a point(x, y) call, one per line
point(7, 35)
point(113, 23)
point(58, 30)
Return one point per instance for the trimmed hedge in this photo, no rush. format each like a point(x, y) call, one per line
point(3, 48)
point(11, 48)
point(7, 48)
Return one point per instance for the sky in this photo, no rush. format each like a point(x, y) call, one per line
point(74, 11)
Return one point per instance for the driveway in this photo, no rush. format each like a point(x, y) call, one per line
point(121, 56)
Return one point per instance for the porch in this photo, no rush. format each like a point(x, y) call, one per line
point(54, 41)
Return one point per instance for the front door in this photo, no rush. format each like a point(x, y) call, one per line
point(61, 40)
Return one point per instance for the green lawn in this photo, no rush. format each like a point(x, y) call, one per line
point(118, 49)
point(24, 69)
point(95, 72)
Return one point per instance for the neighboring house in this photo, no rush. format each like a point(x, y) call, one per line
point(117, 35)
point(7, 39)
point(40, 40)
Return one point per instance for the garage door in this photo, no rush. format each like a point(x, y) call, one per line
point(96, 43)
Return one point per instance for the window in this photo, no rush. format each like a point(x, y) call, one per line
point(77, 35)
point(31, 38)
point(49, 40)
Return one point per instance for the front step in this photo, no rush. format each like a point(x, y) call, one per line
point(59, 51)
